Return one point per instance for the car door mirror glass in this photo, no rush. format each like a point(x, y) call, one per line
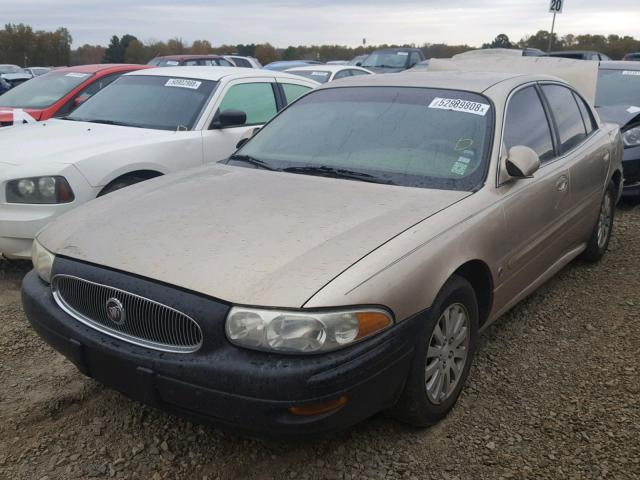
point(522, 162)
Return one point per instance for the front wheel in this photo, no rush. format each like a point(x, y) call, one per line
point(601, 235)
point(443, 356)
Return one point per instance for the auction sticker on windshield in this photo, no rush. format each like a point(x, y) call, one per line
point(460, 105)
point(631, 72)
point(183, 83)
point(77, 75)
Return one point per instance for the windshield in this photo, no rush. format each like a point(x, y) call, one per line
point(144, 101)
point(414, 137)
point(618, 87)
point(10, 69)
point(43, 91)
point(387, 60)
point(163, 62)
point(317, 75)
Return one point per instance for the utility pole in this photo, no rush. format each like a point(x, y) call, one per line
point(553, 25)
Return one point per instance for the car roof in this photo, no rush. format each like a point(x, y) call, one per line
point(619, 65)
point(100, 67)
point(397, 49)
point(214, 73)
point(327, 67)
point(470, 81)
point(187, 57)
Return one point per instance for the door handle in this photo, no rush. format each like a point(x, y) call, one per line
point(562, 183)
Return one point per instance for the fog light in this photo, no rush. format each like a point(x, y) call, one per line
point(319, 408)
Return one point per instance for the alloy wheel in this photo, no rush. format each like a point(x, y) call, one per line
point(447, 353)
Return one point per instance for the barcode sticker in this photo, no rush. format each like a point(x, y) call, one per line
point(460, 105)
point(183, 83)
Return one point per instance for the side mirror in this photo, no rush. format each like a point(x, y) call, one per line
point(246, 137)
point(79, 100)
point(358, 64)
point(522, 162)
point(230, 118)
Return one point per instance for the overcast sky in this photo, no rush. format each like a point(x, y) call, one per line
point(346, 22)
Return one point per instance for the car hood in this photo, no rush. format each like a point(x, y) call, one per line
point(242, 235)
point(67, 141)
point(619, 114)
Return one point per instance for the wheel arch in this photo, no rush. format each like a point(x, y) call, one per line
point(616, 178)
point(145, 174)
point(478, 274)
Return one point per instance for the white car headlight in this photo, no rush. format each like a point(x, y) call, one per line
point(42, 261)
point(631, 137)
point(300, 331)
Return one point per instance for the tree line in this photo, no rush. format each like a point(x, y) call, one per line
point(21, 45)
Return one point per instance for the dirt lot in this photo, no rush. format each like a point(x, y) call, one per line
point(554, 393)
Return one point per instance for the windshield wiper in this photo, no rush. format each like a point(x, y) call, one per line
point(111, 122)
point(256, 162)
point(324, 171)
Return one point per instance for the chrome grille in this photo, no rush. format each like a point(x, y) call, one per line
point(127, 316)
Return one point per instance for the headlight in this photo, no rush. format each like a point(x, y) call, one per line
point(40, 190)
point(42, 261)
point(302, 331)
point(631, 137)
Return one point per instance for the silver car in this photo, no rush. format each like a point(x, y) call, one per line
point(340, 263)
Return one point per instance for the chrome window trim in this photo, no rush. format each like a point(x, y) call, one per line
point(141, 342)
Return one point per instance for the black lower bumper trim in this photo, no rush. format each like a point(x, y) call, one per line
point(242, 390)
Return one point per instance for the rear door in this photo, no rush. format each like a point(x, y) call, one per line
point(535, 208)
point(586, 156)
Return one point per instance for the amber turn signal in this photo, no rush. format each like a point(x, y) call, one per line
point(319, 408)
point(371, 322)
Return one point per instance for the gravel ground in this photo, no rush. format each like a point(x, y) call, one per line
point(554, 393)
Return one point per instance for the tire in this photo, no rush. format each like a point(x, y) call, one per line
point(416, 405)
point(121, 182)
point(601, 235)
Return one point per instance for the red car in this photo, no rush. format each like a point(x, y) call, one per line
point(58, 92)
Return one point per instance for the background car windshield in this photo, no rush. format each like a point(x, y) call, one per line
point(163, 62)
point(618, 87)
point(317, 75)
point(390, 59)
point(43, 91)
point(162, 103)
point(404, 136)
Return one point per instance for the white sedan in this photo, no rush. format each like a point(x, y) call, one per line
point(328, 73)
point(145, 124)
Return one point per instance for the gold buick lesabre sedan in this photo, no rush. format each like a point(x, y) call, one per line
point(342, 262)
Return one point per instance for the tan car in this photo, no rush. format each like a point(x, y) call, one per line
point(342, 262)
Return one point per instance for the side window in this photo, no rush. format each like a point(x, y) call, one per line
point(355, 73)
point(567, 116)
point(257, 100)
point(190, 63)
point(526, 124)
point(415, 58)
point(292, 92)
point(587, 116)
point(98, 85)
point(342, 74)
point(224, 63)
point(241, 62)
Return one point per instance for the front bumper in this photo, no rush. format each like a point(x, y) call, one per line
point(242, 390)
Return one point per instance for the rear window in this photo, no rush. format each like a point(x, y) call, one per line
point(321, 76)
point(415, 137)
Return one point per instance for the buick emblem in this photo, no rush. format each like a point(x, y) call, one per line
point(115, 311)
